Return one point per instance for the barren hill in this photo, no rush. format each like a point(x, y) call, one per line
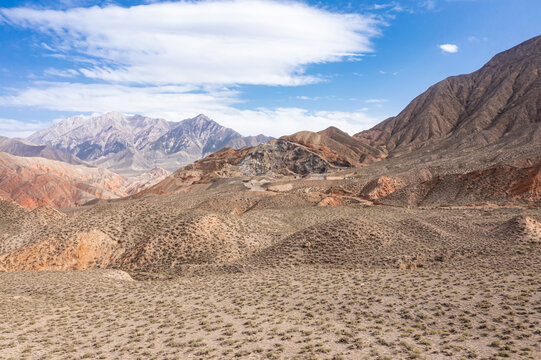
point(231, 228)
point(36, 181)
point(500, 104)
point(300, 154)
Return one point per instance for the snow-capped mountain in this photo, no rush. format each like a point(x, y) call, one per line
point(131, 144)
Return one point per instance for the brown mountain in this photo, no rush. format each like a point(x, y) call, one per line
point(338, 146)
point(498, 105)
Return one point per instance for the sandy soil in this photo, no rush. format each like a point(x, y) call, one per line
point(298, 313)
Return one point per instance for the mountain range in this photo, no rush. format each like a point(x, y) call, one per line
point(479, 125)
point(20, 147)
point(465, 124)
point(134, 144)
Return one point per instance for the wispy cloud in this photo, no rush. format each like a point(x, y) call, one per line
point(15, 128)
point(180, 102)
point(277, 122)
point(206, 42)
point(428, 4)
point(112, 97)
point(376, 101)
point(449, 48)
point(312, 98)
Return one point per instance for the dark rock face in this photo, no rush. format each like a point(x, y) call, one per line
point(284, 156)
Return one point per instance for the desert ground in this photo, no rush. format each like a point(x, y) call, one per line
point(345, 282)
point(302, 313)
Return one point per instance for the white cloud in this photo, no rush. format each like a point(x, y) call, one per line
point(109, 97)
point(449, 48)
point(61, 73)
point(284, 121)
point(176, 103)
point(178, 59)
point(376, 101)
point(312, 98)
point(266, 42)
point(392, 6)
point(15, 128)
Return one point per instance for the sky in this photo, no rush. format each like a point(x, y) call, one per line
point(258, 66)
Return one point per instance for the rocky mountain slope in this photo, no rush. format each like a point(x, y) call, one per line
point(32, 182)
point(500, 105)
point(35, 181)
point(134, 144)
point(300, 154)
point(19, 147)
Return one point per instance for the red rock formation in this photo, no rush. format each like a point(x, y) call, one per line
point(33, 182)
point(381, 187)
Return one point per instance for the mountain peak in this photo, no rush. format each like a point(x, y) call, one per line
point(519, 53)
point(470, 111)
point(199, 120)
point(202, 117)
point(332, 130)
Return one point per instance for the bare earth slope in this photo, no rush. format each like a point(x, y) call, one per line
point(498, 104)
point(231, 227)
point(35, 181)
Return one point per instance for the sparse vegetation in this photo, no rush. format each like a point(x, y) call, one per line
point(358, 314)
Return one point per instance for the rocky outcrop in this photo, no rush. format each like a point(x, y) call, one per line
point(331, 201)
point(520, 228)
point(275, 158)
point(501, 184)
point(381, 187)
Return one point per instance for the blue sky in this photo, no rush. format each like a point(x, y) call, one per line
point(258, 66)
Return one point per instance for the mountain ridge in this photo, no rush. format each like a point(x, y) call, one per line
point(132, 144)
point(502, 99)
point(19, 147)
